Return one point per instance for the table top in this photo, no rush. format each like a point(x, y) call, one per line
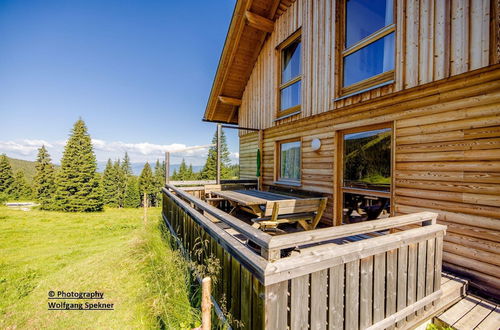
point(251, 197)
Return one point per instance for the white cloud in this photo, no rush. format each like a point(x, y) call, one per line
point(138, 152)
point(23, 147)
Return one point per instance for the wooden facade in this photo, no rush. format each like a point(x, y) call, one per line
point(443, 107)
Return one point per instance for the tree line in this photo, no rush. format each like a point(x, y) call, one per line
point(77, 186)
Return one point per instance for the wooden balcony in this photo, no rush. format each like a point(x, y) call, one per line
point(371, 275)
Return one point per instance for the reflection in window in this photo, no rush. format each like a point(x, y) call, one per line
point(366, 181)
point(289, 160)
point(291, 62)
point(290, 83)
point(369, 61)
point(369, 41)
point(365, 17)
point(290, 96)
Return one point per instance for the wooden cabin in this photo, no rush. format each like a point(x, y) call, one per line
point(386, 107)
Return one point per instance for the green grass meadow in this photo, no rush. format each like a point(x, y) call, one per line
point(112, 252)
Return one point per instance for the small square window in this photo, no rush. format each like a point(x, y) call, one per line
point(289, 161)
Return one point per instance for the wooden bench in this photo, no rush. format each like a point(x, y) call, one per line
point(307, 212)
point(210, 198)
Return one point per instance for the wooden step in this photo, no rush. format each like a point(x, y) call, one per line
point(470, 312)
point(454, 289)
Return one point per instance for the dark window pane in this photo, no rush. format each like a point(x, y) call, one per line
point(291, 62)
point(361, 207)
point(290, 161)
point(290, 96)
point(367, 160)
point(364, 17)
point(369, 61)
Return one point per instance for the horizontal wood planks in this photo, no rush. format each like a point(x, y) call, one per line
point(249, 143)
point(449, 163)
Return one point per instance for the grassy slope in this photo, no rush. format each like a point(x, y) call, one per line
point(109, 252)
point(23, 165)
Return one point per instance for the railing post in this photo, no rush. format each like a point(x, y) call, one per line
point(206, 304)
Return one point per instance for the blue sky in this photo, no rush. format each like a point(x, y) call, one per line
point(138, 72)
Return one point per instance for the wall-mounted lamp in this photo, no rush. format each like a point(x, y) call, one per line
point(315, 144)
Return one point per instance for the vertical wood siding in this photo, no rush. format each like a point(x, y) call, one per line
point(434, 40)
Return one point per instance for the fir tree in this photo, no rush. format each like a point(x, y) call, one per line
point(44, 181)
point(132, 195)
point(78, 188)
point(147, 183)
point(159, 179)
point(121, 182)
point(183, 171)
point(21, 190)
point(126, 165)
point(209, 171)
point(109, 185)
point(6, 175)
point(174, 176)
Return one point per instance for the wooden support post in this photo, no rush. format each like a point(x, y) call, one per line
point(219, 133)
point(260, 147)
point(167, 167)
point(206, 304)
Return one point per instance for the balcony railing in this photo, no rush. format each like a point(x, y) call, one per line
point(390, 277)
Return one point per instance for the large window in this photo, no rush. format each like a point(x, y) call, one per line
point(289, 162)
point(366, 179)
point(290, 77)
point(367, 45)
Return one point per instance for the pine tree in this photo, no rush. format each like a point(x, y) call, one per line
point(6, 176)
point(159, 179)
point(209, 171)
point(78, 188)
point(147, 183)
point(44, 181)
point(21, 190)
point(183, 171)
point(174, 176)
point(121, 182)
point(126, 165)
point(132, 195)
point(109, 185)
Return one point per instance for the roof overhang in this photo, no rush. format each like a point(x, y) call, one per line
point(251, 23)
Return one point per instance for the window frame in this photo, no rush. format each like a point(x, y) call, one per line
point(277, 164)
point(339, 182)
point(297, 35)
point(374, 81)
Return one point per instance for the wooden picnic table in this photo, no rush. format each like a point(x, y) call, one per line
point(252, 201)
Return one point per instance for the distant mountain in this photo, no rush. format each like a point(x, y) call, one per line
point(137, 167)
point(28, 167)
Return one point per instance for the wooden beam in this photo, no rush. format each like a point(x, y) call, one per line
point(230, 100)
point(219, 133)
point(258, 22)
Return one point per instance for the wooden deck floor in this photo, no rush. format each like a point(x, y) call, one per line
point(471, 312)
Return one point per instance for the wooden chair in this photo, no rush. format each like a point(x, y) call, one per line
point(211, 198)
point(307, 212)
